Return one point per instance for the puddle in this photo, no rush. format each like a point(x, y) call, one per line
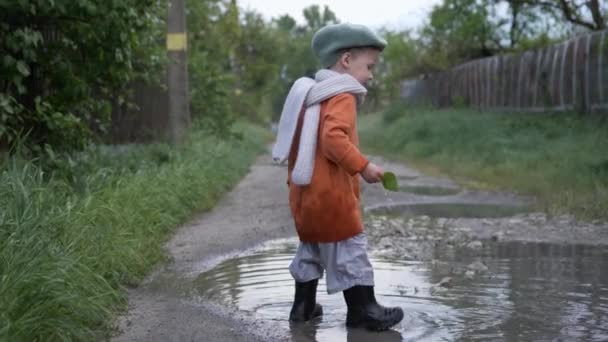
point(429, 190)
point(452, 210)
point(525, 292)
point(401, 179)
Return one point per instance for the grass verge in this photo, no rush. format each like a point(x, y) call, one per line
point(71, 239)
point(561, 159)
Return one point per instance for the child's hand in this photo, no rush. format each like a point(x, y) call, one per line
point(372, 173)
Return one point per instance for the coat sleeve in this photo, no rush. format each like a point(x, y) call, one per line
point(340, 118)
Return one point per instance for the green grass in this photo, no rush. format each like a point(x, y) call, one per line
point(71, 240)
point(561, 159)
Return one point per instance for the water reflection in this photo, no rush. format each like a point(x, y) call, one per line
point(451, 210)
point(529, 292)
point(307, 332)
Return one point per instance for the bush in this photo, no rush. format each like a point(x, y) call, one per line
point(63, 61)
point(394, 111)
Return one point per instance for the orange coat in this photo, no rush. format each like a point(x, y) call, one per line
point(328, 210)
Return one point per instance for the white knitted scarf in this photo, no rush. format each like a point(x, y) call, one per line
point(309, 93)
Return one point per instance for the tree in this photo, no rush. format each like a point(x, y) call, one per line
point(590, 14)
point(285, 23)
point(529, 26)
point(460, 30)
point(258, 57)
point(316, 19)
point(399, 60)
point(296, 58)
point(521, 17)
point(62, 63)
point(215, 34)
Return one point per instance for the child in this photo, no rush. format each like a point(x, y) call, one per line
point(318, 136)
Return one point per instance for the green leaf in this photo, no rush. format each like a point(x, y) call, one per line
point(9, 61)
point(23, 69)
point(389, 181)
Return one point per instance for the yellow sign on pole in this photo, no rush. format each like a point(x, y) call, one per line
point(177, 41)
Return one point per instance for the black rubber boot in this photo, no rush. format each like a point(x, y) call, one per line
point(365, 312)
point(304, 306)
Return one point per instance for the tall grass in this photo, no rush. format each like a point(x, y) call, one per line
point(562, 159)
point(70, 239)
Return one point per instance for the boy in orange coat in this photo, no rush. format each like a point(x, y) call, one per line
point(318, 136)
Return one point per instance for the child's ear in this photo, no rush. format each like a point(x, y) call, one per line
point(345, 59)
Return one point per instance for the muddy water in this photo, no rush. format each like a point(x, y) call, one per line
point(452, 210)
point(509, 291)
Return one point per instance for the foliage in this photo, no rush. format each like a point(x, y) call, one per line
point(214, 33)
point(70, 239)
point(241, 65)
point(64, 64)
point(393, 111)
point(295, 56)
point(587, 14)
point(61, 61)
point(399, 60)
point(258, 58)
point(460, 30)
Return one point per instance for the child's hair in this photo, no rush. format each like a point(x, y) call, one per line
point(355, 51)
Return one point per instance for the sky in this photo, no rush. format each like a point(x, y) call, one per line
point(393, 14)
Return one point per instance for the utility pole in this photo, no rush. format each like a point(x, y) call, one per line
point(177, 71)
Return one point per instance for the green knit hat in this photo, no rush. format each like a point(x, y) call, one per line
point(329, 41)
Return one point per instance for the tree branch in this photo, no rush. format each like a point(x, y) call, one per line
point(572, 16)
point(596, 13)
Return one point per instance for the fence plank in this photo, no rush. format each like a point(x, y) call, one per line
point(587, 77)
point(600, 64)
point(562, 73)
point(537, 83)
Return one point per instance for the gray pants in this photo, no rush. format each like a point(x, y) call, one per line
point(345, 262)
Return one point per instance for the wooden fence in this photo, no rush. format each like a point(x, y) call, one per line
point(571, 76)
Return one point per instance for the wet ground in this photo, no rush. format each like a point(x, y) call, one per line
point(501, 291)
point(464, 265)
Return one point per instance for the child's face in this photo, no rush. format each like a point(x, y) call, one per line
point(360, 64)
